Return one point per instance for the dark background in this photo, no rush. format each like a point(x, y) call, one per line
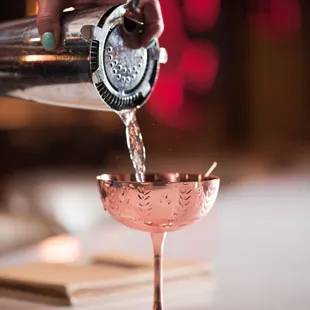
point(258, 99)
point(235, 90)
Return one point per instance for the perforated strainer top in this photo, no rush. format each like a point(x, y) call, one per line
point(124, 76)
point(124, 66)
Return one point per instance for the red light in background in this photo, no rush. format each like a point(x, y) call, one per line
point(201, 15)
point(168, 96)
point(192, 65)
point(174, 37)
point(189, 117)
point(201, 63)
point(279, 19)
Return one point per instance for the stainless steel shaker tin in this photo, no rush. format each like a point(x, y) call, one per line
point(96, 67)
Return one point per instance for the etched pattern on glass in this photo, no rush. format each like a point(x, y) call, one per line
point(184, 200)
point(144, 203)
point(160, 207)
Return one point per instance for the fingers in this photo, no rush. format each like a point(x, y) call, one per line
point(50, 11)
point(48, 22)
point(154, 23)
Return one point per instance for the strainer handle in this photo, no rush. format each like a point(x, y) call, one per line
point(133, 12)
point(133, 5)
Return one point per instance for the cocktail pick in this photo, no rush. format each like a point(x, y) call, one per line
point(210, 170)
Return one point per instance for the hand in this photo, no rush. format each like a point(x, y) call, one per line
point(50, 11)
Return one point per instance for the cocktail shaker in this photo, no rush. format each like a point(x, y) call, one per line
point(96, 67)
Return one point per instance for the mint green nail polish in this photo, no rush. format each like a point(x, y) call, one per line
point(48, 41)
point(151, 44)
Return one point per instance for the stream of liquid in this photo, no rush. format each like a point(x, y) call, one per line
point(137, 154)
point(135, 143)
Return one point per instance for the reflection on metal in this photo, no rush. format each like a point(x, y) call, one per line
point(79, 74)
point(45, 58)
point(69, 9)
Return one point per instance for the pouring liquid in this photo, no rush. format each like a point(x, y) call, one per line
point(135, 143)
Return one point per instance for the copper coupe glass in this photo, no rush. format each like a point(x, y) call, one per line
point(163, 203)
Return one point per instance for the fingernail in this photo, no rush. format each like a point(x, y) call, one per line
point(151, 44)
point(48, 41)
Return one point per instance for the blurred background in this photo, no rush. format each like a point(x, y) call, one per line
point(235, 90)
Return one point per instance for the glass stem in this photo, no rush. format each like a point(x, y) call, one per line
point(158, 244)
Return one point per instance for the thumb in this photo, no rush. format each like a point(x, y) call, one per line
point(154, 23)
point(48, 22)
